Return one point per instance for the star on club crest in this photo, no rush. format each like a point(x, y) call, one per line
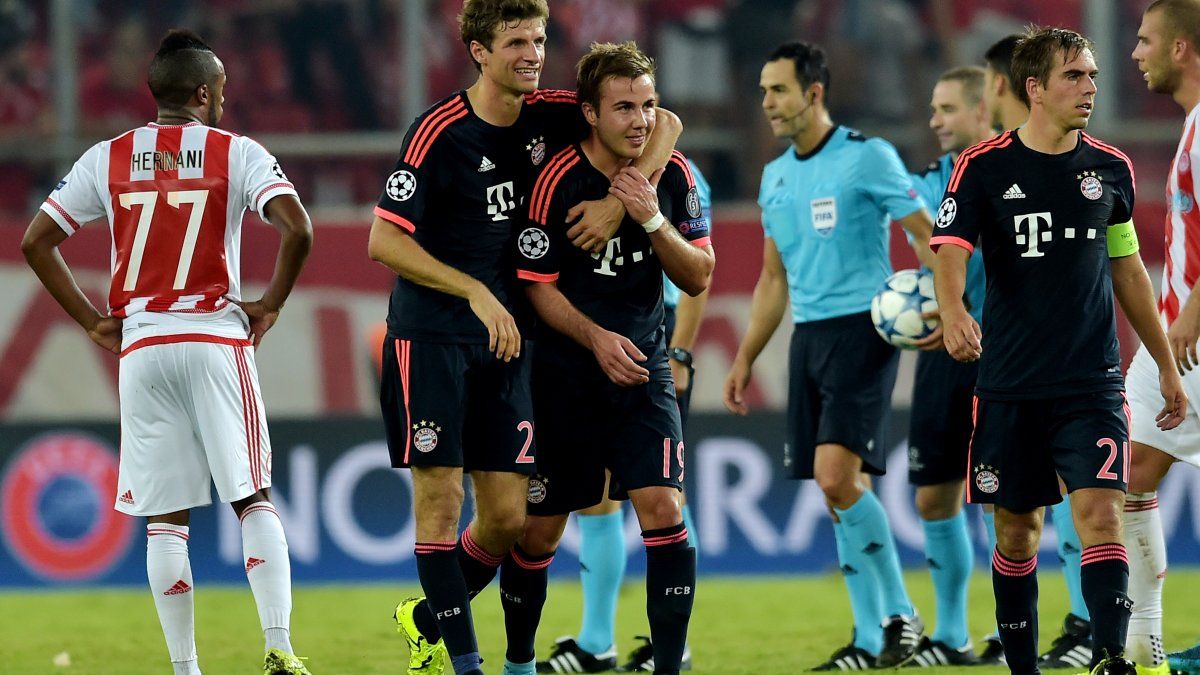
point(425, 435)
point(537, 149)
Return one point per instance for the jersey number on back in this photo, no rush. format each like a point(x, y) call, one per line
point(147, 201)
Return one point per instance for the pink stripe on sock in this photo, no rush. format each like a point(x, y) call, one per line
point(478, 552)
point(525, 563)
point(436, 546)
point(666, 539)
point(1101, 552)
point(1013, 568)
point(151, 533)
point(257, 506)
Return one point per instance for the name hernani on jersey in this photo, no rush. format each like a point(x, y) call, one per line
point(159, 160)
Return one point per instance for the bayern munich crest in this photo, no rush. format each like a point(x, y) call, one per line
point(1090, 185)
point(986, 480)
point(537, 491)
point(533, 243)
point(946, 212)
point(401, 185)
point(425, 436)
point(537, 150)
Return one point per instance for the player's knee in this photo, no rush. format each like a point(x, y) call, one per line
point(1018, 538)
point(502, 528)
point(541, 535)
point(659, 509)
point(840, 490)
point(937, 504)
point(1097, 520)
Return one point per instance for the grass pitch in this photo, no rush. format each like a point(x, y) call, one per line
point(755, 625)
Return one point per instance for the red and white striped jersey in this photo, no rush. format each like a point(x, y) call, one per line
point(1182, 268)
point(174, 197)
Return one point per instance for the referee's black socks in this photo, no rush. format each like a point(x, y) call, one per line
point(1104, 577)
point(670, 591)
point(1014, 583)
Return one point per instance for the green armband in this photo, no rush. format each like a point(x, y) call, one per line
point(1122, 240)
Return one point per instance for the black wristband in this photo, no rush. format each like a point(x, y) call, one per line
point(681, 355)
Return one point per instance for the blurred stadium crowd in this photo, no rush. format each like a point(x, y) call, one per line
point(328, 66)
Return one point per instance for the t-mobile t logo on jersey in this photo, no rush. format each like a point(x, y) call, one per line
point(1034, 234)
point(500, 200)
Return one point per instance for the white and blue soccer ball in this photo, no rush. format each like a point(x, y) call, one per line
point(897, 308)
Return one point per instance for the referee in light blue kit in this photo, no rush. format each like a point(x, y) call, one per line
point(827, 203)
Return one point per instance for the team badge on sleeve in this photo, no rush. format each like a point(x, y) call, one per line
point(401, 185)
point(533, 243)
point(1090, 185)
point(275, 169)
point(946, 212)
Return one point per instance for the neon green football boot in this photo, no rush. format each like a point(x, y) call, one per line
point(279, 662)
point(423, 658)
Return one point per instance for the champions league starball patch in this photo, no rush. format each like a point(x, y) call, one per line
point(401, 185)
point(533, 243)
point(946, 212)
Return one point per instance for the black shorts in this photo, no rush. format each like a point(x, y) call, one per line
point(456, 405)
point(1021, 448)
point(685, 399)
point(586, 424)
point(840, 380)
point(939, 428)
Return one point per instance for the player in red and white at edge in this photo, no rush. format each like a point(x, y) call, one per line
point(173, 193)
point(1168, 52)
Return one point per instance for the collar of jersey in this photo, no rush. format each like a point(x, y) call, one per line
point(156, 125)
point(824, 141)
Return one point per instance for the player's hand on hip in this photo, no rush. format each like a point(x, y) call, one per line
point(598, 220)
point(107, 333)
point(962, 337)
point(262, 318)
point(504, 340)
point(932, 342)
point(618, 358)
point(1175, 401)
point(1183, 335)
point(681, 375)
point(735, 388)
point(636, 193)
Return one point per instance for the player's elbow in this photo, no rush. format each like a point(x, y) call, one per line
point(667, 122)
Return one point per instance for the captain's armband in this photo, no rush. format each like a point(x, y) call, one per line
point(1122, 240)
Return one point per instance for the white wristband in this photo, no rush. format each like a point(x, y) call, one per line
point(654, 223)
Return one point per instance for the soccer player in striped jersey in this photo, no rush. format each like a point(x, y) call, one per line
point(603, 394)
point(173, 193)
point(1052, 209)
point(455, 382)
point(1168, 53)
point(939, 429)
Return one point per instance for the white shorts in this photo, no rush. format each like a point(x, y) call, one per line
point(1145, 402)
point(191, 412)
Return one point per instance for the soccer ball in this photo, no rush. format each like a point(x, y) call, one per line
point(896, 309)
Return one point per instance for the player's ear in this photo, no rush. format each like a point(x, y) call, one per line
point(589, 114)
point(816, 92)
point(1033, 89)
point(479, 52)
point(202, 95)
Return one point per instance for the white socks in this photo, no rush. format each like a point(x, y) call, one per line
point(170, 574)
point(1147, 567)
point(269, 572)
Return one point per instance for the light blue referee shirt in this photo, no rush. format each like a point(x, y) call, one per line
point(828, 213)
point(931, 187)
point(670, 290)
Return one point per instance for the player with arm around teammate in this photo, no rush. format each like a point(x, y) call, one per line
point(174, 193)
point(1052, 208)
point(603, 395)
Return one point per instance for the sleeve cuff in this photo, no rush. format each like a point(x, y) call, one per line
point(270, 192)
point(936, 242)
point(59, 215)
point(401, 222)
point(701, 242)
point(534, 276)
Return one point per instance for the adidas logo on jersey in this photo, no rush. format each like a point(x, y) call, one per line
point(126, 498)
point(179, 588)
point(486, 165)
point(1014, 192)
point(252, 562)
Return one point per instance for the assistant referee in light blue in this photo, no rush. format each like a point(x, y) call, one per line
point(827, 205)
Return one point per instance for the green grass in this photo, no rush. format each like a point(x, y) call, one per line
point(756, 625)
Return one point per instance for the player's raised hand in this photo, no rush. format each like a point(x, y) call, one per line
point(598, 220)
point(934, 341)
point(636, 193)
point(504, 340)
point(962, 336)
point(107, 333)
point(1183, 335)
point(1175, 401)
point(262, 318)
point(735, 388)
point(618, 358)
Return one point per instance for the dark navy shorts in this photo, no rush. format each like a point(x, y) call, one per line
point(456, 405)
point(1021, 448)
point(939, 429)
point(586, 424)
point(840, 380)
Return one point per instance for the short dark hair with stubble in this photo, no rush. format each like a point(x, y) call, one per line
point(605, 60)
point(1181, 19)
point(182, 63)
point(809, 61)
point(1036, 52)
point(480, 19)
point(999, 58)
